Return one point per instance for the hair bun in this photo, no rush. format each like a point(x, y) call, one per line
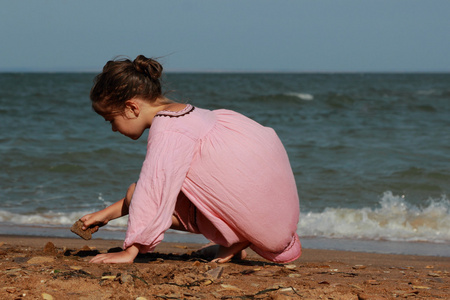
point(148, 67)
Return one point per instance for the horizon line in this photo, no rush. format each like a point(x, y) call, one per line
point(230, 71)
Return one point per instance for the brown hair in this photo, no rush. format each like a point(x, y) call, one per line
point(122, 80)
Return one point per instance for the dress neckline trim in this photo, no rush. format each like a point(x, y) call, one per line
point(175, 114)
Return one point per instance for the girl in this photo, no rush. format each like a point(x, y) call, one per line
point(217, 173)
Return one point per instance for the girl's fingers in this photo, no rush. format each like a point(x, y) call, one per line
point(98, 259)
point(86, 224)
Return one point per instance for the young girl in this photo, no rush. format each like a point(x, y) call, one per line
point(217, 173)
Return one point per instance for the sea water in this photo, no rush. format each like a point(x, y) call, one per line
point(370, 153)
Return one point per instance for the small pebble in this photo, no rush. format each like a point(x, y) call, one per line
point(420, 287)
point(230, 287)
point(207, 282)
point(359, 267)
point(126, 278)
point(290, 267)
point(47, 296)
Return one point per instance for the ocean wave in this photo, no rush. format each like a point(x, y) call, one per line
point(394, 220)
point(286, 98)
point(54, 219)
point(302, 96)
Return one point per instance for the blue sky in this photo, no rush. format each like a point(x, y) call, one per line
point(228, 35)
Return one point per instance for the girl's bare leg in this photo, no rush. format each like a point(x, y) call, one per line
point(225, 254)
point(221, 254)
point(217, 253)
point(176, 224)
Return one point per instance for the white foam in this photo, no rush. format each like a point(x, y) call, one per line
point(303, 96)
point(53, 219)
point(394, 220)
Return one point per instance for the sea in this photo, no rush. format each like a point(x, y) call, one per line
point(370, 153)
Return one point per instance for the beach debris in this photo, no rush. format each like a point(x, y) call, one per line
point(40, 260)
point(421, 287)
point(12, 272)
point(265, 273)
point(10, 289)
point(359, 267)
point(125, 278)
point(20, 259)
point(170, 296)
point(334, 270)
point(404, 294)
point(77, 229)
point(230, 287)
point(196, 263)
point(355, 286)
point(206, 282)
point(215, 273)
point(86, 251)
point(288, 289)
point(50, 248)
point(433, 274)
point(46, 296)
point(372, 282)
point(323, 266)
point(290, 267)
point(363, 296)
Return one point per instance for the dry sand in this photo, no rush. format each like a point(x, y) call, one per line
point(57, 268)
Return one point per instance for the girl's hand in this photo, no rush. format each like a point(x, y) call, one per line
point(114, 211)
point(94, 220)
point(127, 256)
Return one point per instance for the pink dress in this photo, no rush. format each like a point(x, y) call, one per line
point(224, 176)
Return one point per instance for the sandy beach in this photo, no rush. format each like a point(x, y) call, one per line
point(59, 268)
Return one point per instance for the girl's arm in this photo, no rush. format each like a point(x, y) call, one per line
point(114, 211)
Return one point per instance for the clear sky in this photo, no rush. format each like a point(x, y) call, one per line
point(228, 35)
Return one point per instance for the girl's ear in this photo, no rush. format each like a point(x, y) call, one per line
point(132, 109)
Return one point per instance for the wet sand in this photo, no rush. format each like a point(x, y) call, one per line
point(59, 268)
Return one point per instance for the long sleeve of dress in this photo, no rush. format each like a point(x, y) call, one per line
point(168, 158)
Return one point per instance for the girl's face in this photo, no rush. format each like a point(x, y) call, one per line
point(127, 123)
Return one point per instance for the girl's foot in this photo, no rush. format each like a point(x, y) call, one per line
point(221, 254)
